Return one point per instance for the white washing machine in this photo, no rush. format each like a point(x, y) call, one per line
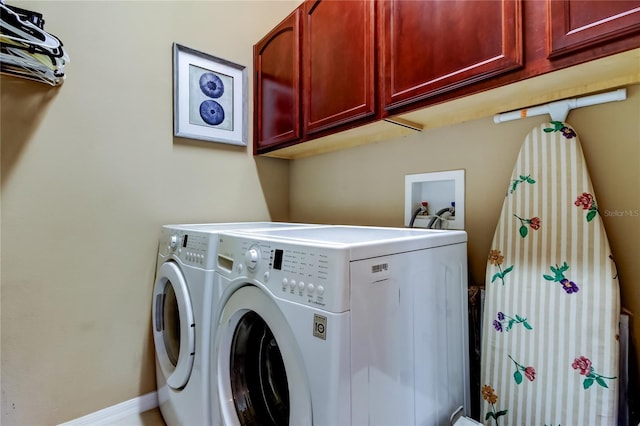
point(341, 326)
point(181, 318)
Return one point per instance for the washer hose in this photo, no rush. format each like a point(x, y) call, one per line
point(438, 216)
point(422, 208)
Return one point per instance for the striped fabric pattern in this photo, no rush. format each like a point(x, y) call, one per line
point(550, 323)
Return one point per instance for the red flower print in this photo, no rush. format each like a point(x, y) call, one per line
point(583, 364)
point(534, 223)
point(530, 372)
point(585, 201)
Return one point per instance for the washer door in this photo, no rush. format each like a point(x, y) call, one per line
point(173, 325)
point(261, 377)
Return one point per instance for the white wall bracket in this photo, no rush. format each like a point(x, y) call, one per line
point(560, 109)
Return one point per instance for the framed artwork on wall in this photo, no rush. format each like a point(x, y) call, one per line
point(209, 97)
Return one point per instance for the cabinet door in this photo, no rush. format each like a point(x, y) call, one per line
point(338, 62)
point(434, 46)
point(277, 85)
point(579, 24)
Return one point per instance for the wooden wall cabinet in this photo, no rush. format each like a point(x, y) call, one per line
point(314, 72)
point(576, 25)
point(338, 63)
point(332, 65)
point(277, 114)
point(431, 47)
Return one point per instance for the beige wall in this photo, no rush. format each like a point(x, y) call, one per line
point(90, 170)
point(365, 185)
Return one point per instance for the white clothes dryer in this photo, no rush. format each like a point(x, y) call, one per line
point(341, 326)
point(182, 304)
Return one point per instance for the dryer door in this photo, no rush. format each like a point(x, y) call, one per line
point(261, 376)
point(173, 325)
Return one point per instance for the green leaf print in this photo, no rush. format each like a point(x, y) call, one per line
point(523, 231)
point(522, 179)
point(534, 223)
point(518, 376)
point(583, 365)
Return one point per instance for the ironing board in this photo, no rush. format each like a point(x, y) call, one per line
point(552, 307)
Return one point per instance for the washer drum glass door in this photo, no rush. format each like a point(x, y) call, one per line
point(173, 325)
point(261, 378)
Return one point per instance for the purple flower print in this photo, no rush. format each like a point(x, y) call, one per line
point(558, 126)
point(568, 132)
point(569, 286)
point(558, 276)
point(498, 324)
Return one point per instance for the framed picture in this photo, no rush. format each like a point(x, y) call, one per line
point(209, 97)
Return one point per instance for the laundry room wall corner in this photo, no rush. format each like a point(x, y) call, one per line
point(273, 174)
point(90, 172)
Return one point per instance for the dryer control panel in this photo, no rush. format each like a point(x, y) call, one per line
point(315, 276)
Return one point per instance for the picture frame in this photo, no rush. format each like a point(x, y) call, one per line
point(209, 97)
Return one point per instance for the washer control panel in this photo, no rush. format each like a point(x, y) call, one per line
point(316, 276)
point(191, 247)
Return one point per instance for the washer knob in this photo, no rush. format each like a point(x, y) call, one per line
point(251, 258)
point(173, 242)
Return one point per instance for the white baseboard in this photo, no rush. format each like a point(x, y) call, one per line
point(111, 415)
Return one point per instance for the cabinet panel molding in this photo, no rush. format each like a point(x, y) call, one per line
point(338, 63)
point(277, 115)
point(579, 24)
point(431, 47)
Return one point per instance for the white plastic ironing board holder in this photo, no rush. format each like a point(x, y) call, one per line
point(559, 110)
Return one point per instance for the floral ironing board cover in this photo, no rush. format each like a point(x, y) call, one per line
point(552, 307)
